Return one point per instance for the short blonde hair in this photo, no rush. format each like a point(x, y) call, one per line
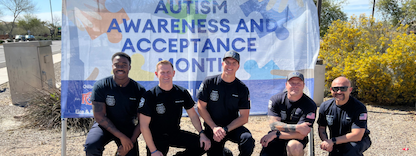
point(164, 62)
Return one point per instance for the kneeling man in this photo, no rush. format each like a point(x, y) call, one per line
point(291, 114)
point(160, 114)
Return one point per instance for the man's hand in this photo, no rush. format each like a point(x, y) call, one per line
point(204, 142)
point(157, 153)
point(303, 128)
point(219, 134)
point(267, 138)
point(121, 151)
point(126, 144)
point(327, 145)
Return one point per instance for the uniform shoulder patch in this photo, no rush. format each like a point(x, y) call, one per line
point(363, 116)
point(310, 115)
point(201, 87)
point(141, 104)
point(270, 104)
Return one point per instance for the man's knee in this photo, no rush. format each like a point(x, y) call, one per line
point(93, 149)
point(294, 147)
point(246, 145)
point(354, 148)
point(247, 140)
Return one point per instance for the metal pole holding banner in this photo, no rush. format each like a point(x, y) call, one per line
point(311, 143)
point(63, 137)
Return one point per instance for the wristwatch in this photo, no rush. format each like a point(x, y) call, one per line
point(334, 140)
point(202, 131)
point(278, 134)
point(225, 129)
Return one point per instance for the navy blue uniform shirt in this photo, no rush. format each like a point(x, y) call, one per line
point(224, 100)
point(121, 102)
point(165, 108)
point(296, 112)
point(341, 119)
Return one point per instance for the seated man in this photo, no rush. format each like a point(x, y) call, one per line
point(291, 114)
point(346, 118)
point(160, 114)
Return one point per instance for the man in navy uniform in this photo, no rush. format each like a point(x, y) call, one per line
point(115, 100)
point(160, 115)
point(346, 118)
point(291, 115)
point(224, 104)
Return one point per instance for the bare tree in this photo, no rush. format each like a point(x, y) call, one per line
point(16, 7)
point(56, 20)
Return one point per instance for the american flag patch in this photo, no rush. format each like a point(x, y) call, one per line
point(363, 116)
point(310, 116)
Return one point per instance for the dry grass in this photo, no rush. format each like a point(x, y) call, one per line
point(44, 112)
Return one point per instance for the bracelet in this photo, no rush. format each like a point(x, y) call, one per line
point(153, 152)
point(202, 131)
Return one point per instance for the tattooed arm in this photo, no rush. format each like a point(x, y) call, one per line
point(276, 124)
point(99, 111)
point(302, 129)
point(322, 133)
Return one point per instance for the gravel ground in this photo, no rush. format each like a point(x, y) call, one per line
point(393, 129)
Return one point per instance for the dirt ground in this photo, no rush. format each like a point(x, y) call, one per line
point(393, 132)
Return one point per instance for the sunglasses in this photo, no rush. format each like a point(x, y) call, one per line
point(343, 88)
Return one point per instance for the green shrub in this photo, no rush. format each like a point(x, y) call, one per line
point(378, 59)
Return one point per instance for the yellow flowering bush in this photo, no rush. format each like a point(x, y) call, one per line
point(378, 59)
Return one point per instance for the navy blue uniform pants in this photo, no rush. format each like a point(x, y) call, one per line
point(98, 137)
point(351, 148)
point(278, 147)
point(240, 135)
point(179, 139)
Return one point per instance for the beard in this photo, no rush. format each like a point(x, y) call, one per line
point(339, 97)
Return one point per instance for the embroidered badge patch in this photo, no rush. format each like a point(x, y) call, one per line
point(214, 95)
point(330, 119)
point(110, 100)
point(160, 108)
point(283, 114)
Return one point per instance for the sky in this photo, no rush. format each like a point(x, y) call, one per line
point(43, 11)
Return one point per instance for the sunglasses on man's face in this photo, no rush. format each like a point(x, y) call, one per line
point(343, 88)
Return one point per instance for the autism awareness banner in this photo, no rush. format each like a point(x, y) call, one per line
point(273, 37)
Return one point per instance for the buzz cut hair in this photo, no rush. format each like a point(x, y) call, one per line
point(121, 54)
point(164, 62)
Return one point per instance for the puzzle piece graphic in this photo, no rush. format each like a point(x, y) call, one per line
point(262, 73)
point(184, 15)
point(93, 16)
point(136, 71)
point(279, 19)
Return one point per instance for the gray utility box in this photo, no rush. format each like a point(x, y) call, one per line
point(30, 69)
point(319, 83)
